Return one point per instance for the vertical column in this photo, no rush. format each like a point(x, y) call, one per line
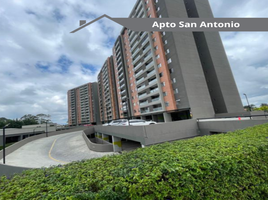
point(117, 144)
point(105, 137)
point(167, 117)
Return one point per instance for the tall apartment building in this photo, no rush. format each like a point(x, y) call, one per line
point(107, 92)
point(83, 105)
point(168, 76)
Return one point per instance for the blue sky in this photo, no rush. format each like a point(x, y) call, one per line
point(40, 60)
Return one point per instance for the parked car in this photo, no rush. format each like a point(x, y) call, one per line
point(140, 122)
point(88, 124)
point(131, 122)
point(135, 122)
point(115, 122)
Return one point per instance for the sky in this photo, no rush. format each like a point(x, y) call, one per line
point(40, 60)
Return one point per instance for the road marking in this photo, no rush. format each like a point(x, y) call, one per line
point(49, 154)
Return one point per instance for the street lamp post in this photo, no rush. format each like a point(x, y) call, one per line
point(46, 129)
point(249, 107)
point(4, 143)
point(33, 131)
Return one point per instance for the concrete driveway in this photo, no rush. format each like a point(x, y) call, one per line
point(55, 150)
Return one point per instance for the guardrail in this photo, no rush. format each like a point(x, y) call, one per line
point(233, 117)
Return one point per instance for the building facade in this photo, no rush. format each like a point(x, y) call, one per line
point(169, 76)
point(163, 76)
point(83, 105)
point(107, 92)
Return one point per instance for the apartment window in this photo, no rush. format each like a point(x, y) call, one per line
point(149, 16)
point(163, 84)
point(158, 8)
point(157, 56)
point(176, 91)
point(134, 104)
point(156, 1)
point(171, 70)
point(165, 42)
point(173, 80)
point(167, 51)
point(161, 74)
point(160, 16)
point(166, 104)
point(169, 60)
point(164, 33)
point(159, 65)
point(156, 47)
point(148, 9)
point(154, 39)
point(164, 94)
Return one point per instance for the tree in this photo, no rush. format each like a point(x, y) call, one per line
point(263, 107)
point(29, 119)
point(43, 118)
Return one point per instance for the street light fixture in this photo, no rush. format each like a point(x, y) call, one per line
point(249, 107)
point(4, 143)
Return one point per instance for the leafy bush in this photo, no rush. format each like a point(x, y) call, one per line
point(225, 166)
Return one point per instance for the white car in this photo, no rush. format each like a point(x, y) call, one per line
point(115, 122)
point(131, 122)
point(135, 122)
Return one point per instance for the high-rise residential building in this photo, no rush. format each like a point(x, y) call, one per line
point(168, 76)
point(107, 92)
point(121, 79)
point(83, 105)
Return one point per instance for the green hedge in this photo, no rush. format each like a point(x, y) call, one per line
point(225, 166)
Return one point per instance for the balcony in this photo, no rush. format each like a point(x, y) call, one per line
point(138, 66)
point(157, 109)
point(145, 41)
point(148, 56)
point(133, 39)
point(147, 48)
point(135, 52)
point(154, 90)
point(151, 64)
point(138, 7)
point(136, 59)
point(144, 33)
point(144, 103)
point(145, 110)
point(143, 95)
point(151, 73)
point(140, 88)
point(156, 99)
point(134, 46)
point(153, 81)
point(140, 80)
point(140, 72)
point(123, 92)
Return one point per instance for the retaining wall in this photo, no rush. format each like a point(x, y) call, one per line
point(153, 134)
point(207, 127)
point(95, 145)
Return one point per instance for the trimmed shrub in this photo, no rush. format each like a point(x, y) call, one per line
point(225, 166)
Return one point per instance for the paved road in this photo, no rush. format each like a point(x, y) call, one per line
point(55, 150)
